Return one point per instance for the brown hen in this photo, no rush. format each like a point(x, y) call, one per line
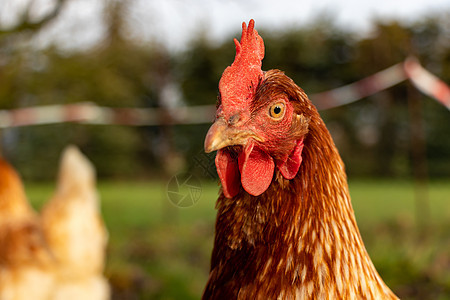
point(285, 225)
point(26, 263)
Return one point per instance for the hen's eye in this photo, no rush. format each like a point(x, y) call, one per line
point(276, 111)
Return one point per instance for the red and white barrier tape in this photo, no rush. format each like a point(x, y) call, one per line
point(89, 113)
point(46, 115)
point(426, 82)
point(360, 89)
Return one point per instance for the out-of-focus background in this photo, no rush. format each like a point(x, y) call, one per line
point(164, 55)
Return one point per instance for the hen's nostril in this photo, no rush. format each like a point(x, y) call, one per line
point(233, 119)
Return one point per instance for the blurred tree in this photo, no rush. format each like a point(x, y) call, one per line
point(26, 22)
point(431, 39)
point(389, 44)
point(116, 73)
point(13, 49)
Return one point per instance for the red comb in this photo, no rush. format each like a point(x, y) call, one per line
point(239, 80)
point(250, 51)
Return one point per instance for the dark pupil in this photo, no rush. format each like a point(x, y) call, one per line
point(277, 110)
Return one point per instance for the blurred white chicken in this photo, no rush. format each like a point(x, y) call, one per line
point(62, 254)
point(75, 232)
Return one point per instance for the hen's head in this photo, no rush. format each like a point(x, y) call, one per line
point(261, 121)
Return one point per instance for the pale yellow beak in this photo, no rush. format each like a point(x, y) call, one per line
point(221, 135)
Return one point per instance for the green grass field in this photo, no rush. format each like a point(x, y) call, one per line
point(159, 251)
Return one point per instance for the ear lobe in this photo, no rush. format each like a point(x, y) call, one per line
point(290, 167)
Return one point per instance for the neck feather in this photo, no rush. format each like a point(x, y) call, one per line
point(298, 239)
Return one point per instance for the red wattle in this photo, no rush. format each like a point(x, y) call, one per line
point(256, 168)
point(228, 170)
